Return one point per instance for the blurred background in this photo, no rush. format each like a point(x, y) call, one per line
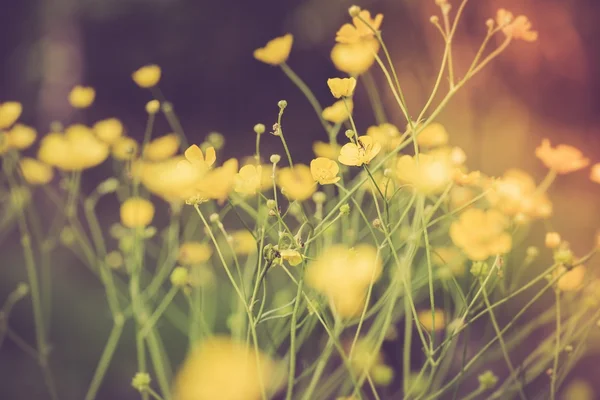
point(548, 89)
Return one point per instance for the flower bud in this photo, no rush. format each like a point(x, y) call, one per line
point(180, 277)
point(282, 104)
point(487, 380)
point(434, 19)
point(319, 197)
point(141, 381)
point(152, 106)
point(552, 240)
point(108, 186)
point(214, 217)
point(344, 209)
point(259, 129)
point(354, 10)
point(275, 158)
point(271, 204)
point(349, 133)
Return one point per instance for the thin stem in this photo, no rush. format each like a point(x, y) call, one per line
point(556, 348)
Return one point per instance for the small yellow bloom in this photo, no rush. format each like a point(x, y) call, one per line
point(341, 87)
point(217, 183)
point(198, 160)
point(359, 30)
point(76, 149)
point(563, 158)
point(82, 96)
point(293, 257)
point(579, 389)
point(385, 134)
point(437, 321)
point(276, 51)
point(124, 148)
point(108, 130)
point(427, 175)
point(35, 172)
point(481, 234)
point(147, 76)
point(10, 112)
point(21, 136)
point(572, 280)
point(161, 148)
point(194, 253)
point(152, 106)
point(552, 240)
point(172, 179)
point(355, 58)
point(136, 212)
point(327, 150)
point(434, 135)
point(296, 183)
point(516, 193)
point(324, 170)
point(243, 242)
point(337, 112)
point(595, 173)
point(517, 28)
point(353, 154)
point(248, 180)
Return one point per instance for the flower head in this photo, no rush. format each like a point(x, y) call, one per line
point(516, 193)
point(10, 112)
point(355, 58)
point(296, 182)
point(563, 158)
point(108, 130)
point(147, 76)
point(124, 148)
point(428, 175)
point(76, 149)
point(327, 150)
point(385, 134)
point(248, 181)
point(595, 173)
point(35, 172)
point(21, 136)
point(437, 321)
point(276, 51)
point(354, 154)
point(337, 112)
point(324, 170)
point(341, 87)
point(293, 257)
point(481, 234)
point(161, 148)
point(434, 135)
point(517, 28)
point(217, 183)
point(198, 160)
point(243, 242)
point(82, 96)
point(359, 30)
point(136, 212)
point(572, 280)
point(191, 253)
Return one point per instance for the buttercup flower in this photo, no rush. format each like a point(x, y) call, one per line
point(481, 234)
point(206, 373)
point(82, 96)
point(35, 172)
point(198, 160)
point(353, 154)
point(161, 148)
point(249, 179)
point(516, 193)
point(152, 106)
point(552, 240)
point(217, 183)
point(293, 257)
point(337, 112)
point(358, 30)
point(147, 76)
point(171, 179)
point(563, 158)
point(136, 212)
point(327, 150)
point(324, 170)
point(10, 112)
point(571, 280)
point(437, 322)
point(243, 242)
point(124, 148)
point(108, 130)
point(517, 28)
point(434, 135)
point(385, 134)
point(194, 253)
point(341, 87)
point(595, 173)
point(276, 51)
point(355, 58)
point(428, 175)
point(296, 183)
point(21, 136)
point(76, 149)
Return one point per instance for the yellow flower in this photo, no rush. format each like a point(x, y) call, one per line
point(207, 372)
point(353, 154)
point(10, 112)
point(76, 149)
point(161, 148)
point(293, 257)
point(124, 148)
point(171, 179)
point(438, 320)
point(276, 51)
point(324, 170)
point(355, 58)
point(152, 106)
point(481, 234)
point(198, 160)
point(517, 28)
point(515, 193)
point(341, 87)
point(249, 180)
point(434, 135)
point(579, 389)
point(147, 76)
point(217, 183)
point(385, 134)
point(136, 212)
point(337, 112)
point(243, 242)
point(562, 159)
point(21, 136)
point(327, 150)
point(296, 183)
point(359, 30)
point(449, 260)
point(595, 173)
point(427, 175)
point(552, 240)
point(35, 172)
point(108, 130)
point(194, 253)
point(572, 280)
point(82, 96)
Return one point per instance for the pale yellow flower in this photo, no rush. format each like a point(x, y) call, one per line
point(354, 154)
point(199, 160)
point(578, 389)
point(515, 193)
point(516, 28)
point(385, 134)
point(429, 322)
point(76, 149)
point(595, 173)
point(10, 112)
point(355, 58)
point(21, 136)
point(276, 51)
point(82, 96)
point(359, 30)
point(563, 158)
point(136, 212)
point(324, 170)
point(341, 87)
point(427, 175)
point(434, 135)
point(108, 130)
point(327, 150)
point(124, 148)
point(572, 280)
point(248, 181)
point(216, 184)
point(147, 76)
point(293, 257)
point(152, 106)
point(337, 112)
point(35, 172)
point(171, 179)
point(296, 183)
point(552, 240)
point(192, 252)
point(243, 242)
point(161, 148)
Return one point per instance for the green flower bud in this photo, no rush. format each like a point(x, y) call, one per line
point(141, 381)
point(259, 129)
point(345, 209)
point(180, 277)
point(487, 380)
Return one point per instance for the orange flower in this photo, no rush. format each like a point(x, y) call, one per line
point(563, 158)
point(595, 173)
point(359, 30)
point(517, 28)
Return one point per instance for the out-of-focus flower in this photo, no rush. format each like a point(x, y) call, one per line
point(192, 252)
point(296, 183)
point(180, 277)
point(387, 135)
point(437, 321)
point(82, 96)
point(516, 28)
point(460, 197)
point(516, 194)
point(595, 173)
point(249, 180)
point(243, 242)
point(152, 106)
point(147, 76)
point(450, 261)
point(161, 148)
point(207, 372)
point(366, 358)
point(341, 87)
point(354, 154)
point(10, 112)
point(355, 58)
point(198, 160)
point(571, 280)
point(108, 130)
point(324, 170)
point(563, 158)
point(35, 172)
point(481, 234)
point(76, 149)
point(433, 135)
point(552, 240)
point(217, 183)
point(337, 112)
point(578, 389)
point(276, 51)
point(136, 212)
point(124, 148)
point(326, 150)
point(359, 30)
point(427, 175)
point(172, 179)
point(21, 136)
point(293, 257)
